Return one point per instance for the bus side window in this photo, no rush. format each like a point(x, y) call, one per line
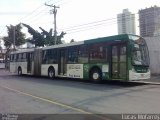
point(22, 60)
point(24, 57)
point(15, 57)
point(106, 52)
point(20, 57)
point(73, 55)
point(44, 57)
point(31, 56)
point(123, 53)
point(98, 53)
point(83, 54)
point(10, 58)
point(49, 56)
point(54, 56)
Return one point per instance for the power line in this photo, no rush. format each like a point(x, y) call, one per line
point(41, 12)
point(93, 24)
point(29, 16)
point(33, 11)
point(34, 19)
point(88, 23)
point(89, 28)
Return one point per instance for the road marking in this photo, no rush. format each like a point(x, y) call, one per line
point(54, 102)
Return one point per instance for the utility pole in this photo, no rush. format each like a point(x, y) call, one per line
point(54, 11)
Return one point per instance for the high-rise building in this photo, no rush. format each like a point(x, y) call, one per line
point(149, 21)
point(126, 22)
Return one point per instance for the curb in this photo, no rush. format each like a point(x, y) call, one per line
point(147, 82)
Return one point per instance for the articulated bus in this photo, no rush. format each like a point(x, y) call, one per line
point(120, 57)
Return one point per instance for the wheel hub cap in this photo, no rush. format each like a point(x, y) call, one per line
point(95, 76)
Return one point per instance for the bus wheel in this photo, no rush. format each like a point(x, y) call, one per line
point(19, 71)
point(51, 73)
point(96, 75)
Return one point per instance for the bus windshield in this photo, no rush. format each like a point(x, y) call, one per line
point(140, 55)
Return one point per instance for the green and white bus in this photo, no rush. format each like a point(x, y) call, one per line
point(120, 57)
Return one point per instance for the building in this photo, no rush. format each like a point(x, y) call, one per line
point(2, 53)
point(126, 22)
point(153, 44)
point(149, 21)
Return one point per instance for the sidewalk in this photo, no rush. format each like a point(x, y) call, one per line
point(4, 72)
point(155, 79)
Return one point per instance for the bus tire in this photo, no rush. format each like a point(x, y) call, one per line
point(19, 71)
point(96, 75)
point(51, 72)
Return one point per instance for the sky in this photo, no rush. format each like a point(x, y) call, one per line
point(80, 19)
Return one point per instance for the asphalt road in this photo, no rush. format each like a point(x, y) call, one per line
point(32, 95)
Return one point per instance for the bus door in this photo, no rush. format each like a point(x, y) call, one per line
point(119, 61)
point(29, 62)
point(62, 66)
point(37, 61)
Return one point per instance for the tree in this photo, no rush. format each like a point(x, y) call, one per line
point(59, 38)
point(43, 38)
point(50, 39)
point(15, 36)
point(72, 41)
point(37, 38)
